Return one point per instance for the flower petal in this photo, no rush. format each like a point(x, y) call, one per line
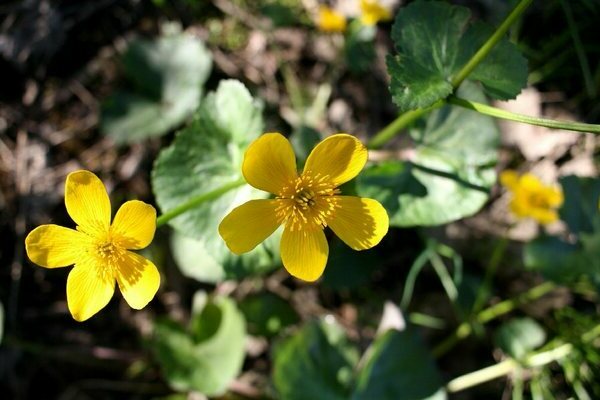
point(304, 253)
point(134, 225)
point(270, 163)
point(361, 223)
point(54, 246)
point(138, 279)
point(87, 202)
point(543, 215)
point(340, 156)
point(249, 224)
point(90, 286)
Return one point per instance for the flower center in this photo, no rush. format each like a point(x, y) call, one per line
point(308, 202)
point(108, 254)
point(538, 200)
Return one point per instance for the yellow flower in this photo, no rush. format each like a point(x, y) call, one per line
point(330, 20)
point(371, 12)
point(98, 249)
point(531, 198)
point(305, 203)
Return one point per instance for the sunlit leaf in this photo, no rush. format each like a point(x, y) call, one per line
point(434, 41)
point(167, 76)
point(204, 156)
point(519, 336)
point(449, 174)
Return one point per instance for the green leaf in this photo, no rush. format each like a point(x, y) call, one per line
point(206, 357)
point(519, 336)
point(434, 42)
point(267, 314)
point(347, 268)
point(216, 264)
point(314, 363)
point(582, 200)
point(450, 172)
point(399, 367)
point(563, 262)
point(167, 76)
point(205, 155)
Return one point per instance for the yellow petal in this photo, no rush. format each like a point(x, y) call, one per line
point(304, 253)
point(509, 179)
point(361, 223)
point(270, 163)
point(248, 225)
point(90, 287)
point(53, 246)
point(138, 279)
point(543, 215)
point(373, 12)
point(554, 196)
point(341, 157)
point(530, 182)
point(330, 20)
point(87, 202)
point(134, 225)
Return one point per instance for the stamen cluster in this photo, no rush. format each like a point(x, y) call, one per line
point(307, 202)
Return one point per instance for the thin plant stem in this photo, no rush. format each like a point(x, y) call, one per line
point(196, 201)
point(484, 50)
point(409, 285)
point(445, 278)
point(465, 329)
point(427, 321)
point(490, 271)
point(509, 365)
point(503, 114)
point(405, 119)
point(397, 125)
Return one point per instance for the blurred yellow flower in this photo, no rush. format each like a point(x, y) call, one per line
point(305, 203)
point(330, 20)
point(98, 249)
point(371, 12)
point(531, 198)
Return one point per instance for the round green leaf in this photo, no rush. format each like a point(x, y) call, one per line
point(399, 367)
point(430, 53)
point(267, 314)
point(167, 76)
point(207, 357)
point(450, 173)
point(314, 363)
point(204, 156)
point(519, 336)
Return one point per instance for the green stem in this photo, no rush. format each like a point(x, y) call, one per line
point(484, 50)
point(490, 271)
point(465, 329)
point(196, 201)
point(498, 113)
point(403, 120)
point(408, 117)
point(505, 367)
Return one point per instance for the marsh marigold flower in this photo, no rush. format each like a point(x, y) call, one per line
point(330, 20)
point(371, 12)
point(305, 203)
point(531, 198)
point(99, 250)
